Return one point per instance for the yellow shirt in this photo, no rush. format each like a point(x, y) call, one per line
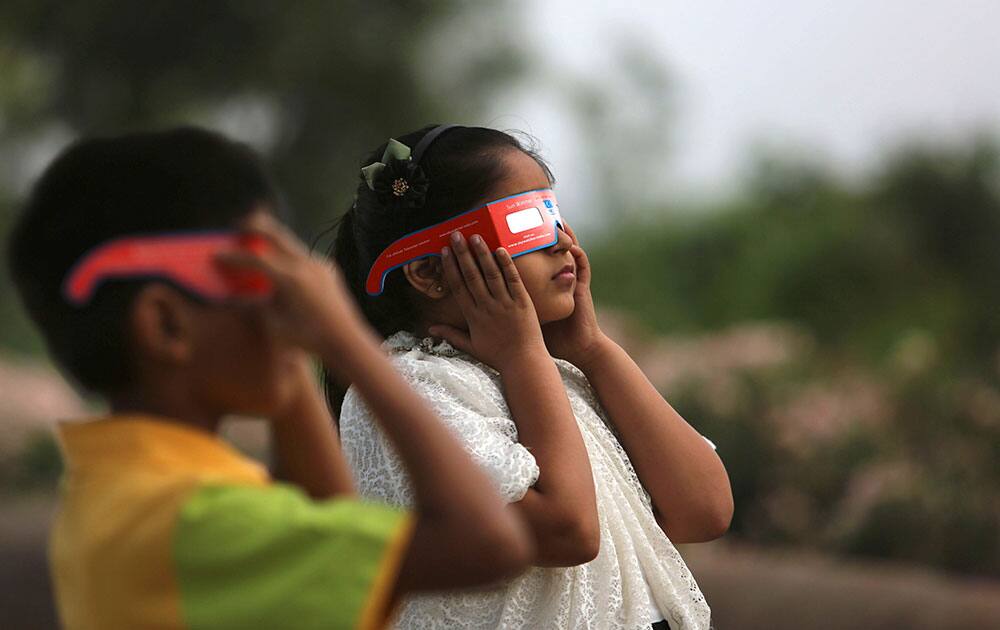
point(163, 525)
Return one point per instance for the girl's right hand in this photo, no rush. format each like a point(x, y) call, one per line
point(561, 507)
point(503, 325)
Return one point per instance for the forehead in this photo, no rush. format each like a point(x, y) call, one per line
point(523, 173)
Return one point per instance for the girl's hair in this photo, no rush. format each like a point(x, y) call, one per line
point(464, 166)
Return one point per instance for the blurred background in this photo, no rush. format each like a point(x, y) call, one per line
point(792, 209)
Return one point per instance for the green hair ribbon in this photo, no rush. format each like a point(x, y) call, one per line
point(394, 150)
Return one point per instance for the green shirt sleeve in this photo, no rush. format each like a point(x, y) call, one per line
point(270, 557)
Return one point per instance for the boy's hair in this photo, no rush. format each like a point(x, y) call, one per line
point(464, 166)
point(102, 188)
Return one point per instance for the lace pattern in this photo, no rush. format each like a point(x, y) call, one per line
point(609, 592)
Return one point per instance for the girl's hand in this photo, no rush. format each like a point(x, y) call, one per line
point(503, 325)
point(578, 338)
point(309, 305)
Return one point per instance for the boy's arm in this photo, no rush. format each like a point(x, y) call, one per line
point(305, 443)
point(464, 535)
point(457, 506)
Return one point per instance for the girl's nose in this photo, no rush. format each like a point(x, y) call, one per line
point(563, 243)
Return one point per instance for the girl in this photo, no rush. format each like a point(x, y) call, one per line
point(509, 353)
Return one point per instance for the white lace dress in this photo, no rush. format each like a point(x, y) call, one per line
point(637, 569)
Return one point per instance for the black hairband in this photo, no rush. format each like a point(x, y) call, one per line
point(427, 140)
point(397, 179)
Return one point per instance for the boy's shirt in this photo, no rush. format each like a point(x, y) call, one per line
point(166, 526)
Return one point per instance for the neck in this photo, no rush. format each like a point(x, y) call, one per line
point(438, 312)
point(171, 402)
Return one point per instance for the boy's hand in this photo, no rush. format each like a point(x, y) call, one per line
point(503, 325)
point(578, 338)
point(309, 304)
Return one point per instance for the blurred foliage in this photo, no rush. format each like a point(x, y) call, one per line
point(311, 84)
point(16, 331)
point(884, 438)
point(36, 466)
point(913, 247)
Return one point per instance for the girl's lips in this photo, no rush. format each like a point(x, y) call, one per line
point(567, 272)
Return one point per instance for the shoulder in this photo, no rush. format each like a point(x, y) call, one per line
point(330, 562)
point(409, 352)
point(280, 506)
point(576, 383)
point(430, 365)
point(571, 373)
point(452, 381)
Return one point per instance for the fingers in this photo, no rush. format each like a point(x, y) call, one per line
point(512, 278)
point(246, 260)
point(456, 284)
point(258, 250)
point(269, 246)
point(582, 265)
point(459, 339)
point(570, 231)
point(274, 232)
point(470, 271)
point(495, 281)
point(249, 276)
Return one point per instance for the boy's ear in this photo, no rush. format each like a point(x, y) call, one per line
point(427, 277)
point(162, 323)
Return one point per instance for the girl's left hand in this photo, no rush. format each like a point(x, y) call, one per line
point(578, 338)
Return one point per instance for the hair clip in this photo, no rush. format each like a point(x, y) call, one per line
point(394, 150)
point(396, 179)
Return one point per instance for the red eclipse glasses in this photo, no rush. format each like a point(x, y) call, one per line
point(186, 259)
point(520, 224)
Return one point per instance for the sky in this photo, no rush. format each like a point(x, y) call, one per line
point(838, 81)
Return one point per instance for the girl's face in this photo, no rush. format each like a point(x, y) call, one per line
point(549, 274)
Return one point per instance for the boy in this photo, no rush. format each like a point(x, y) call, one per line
point(162, 524)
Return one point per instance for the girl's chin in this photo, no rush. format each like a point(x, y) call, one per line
point(556, 310)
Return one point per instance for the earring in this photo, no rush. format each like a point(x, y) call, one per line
point(439, 288)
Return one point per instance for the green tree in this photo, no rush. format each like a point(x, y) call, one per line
point(895, 409)
point(313, 84)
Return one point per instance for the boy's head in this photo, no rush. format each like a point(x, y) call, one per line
point(133, 332)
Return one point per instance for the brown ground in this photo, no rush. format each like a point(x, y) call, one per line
point(748, 588)
point(25, 595)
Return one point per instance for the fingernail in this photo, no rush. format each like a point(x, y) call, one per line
point(446, 251)
point(476, 240)
point(456, 237)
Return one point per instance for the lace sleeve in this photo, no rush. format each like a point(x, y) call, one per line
point(468, 401)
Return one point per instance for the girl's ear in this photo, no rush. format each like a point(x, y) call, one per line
point(427, 277)
point(161, 324)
